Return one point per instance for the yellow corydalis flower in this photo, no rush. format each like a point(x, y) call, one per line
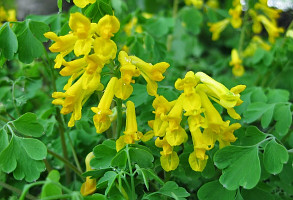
point(89, 186)
point(83, 3)
point(107, 26)
point(235, 13)
point(7, 16)
point(217, 28)
point(132, 25)
point(270, 27)
point(195, 3)
point(236, 62)
point(169, 158)
point(131, 134)
point(102, 117)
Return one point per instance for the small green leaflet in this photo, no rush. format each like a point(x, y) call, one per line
point(8, 41)
point(213, 190)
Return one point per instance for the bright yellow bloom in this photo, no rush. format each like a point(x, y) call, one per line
point(269, 12)
point(217, 28)
point(197, 164)
point(236, 20)
point(219, 93)
point(7, 16)
point(89, 186)
point(101, 118)
point(255, 43)
point(190, 98)
point(131, 134)
point(236, 62)
point(169, 162)
point(175, 134)
point(83, 3)
point(271, 28)
point(128, 70)
point(151, 73)
point(195, 3)
point(213, 3)
point(107, 26)
point(132, 24)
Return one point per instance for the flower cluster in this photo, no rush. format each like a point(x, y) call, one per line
point(92, 43)
point(206, 126)
point(7, 15)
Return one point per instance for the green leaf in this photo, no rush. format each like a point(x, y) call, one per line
point(103, 156)
point(240, 165)
point(142, 157)
point(256, 194)
point(30, 37)
point(252, 136)
point(110, 178)
point(23, 157)
point(188, 15)
point(255, 111)
point(275, 155)
point(158, 27)
point(3, 139)
point(95, 197)
point(144, 174)
point(49, 188)
point(278, 95)
point(171, 189)
point(268, 116)
point(258, 55)
point(283, 116)
point(213, 190)
point(59, 3)
point(120, 159)
point(28, 125)
point(8, 41)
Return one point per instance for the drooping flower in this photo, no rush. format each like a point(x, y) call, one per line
point(235, 13)
point(217, 28)
point(236, 62)
point(271, 28)
point(101, 118)
point(131, 134)
point(195, 3)
point(107, 26)
point(89, 186)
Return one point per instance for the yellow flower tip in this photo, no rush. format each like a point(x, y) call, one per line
point(88, 187)
point(101, 119)
point(197, 164)
point(157, 71)
point(131, 124)
point(105, 49)
point(51, 35)
point(120, 144)
point(83, 3)
point(169, 162)
point(72, 67)
point(148, 136)
point(176, 137)
point(238, 89)
point(217, 28)
point(123, 90)
point(238, 70)
point(80, 25)
point(107, 26)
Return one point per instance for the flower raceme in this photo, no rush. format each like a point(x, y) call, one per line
point(206, 125)
point(93, 42)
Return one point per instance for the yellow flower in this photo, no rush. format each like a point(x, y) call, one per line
point(151, 73)
point(235, 13)
point(128, 70)
point(89, 186)
point(75, 96)
point(83, 29)
point(213, 3)
point(169, 162)
point(101, 118)
point(131, 134)
point(175, 134)
point(132, 24)
point(219, 93)
point(197, 164)
point(105, 49)
point(269, 12)
point(195, 3)
point(271, 28)
point(83, 3)
point(217, 28)
point(236, 62)
point(190, 98)
point(107, 26)
point(254, 44)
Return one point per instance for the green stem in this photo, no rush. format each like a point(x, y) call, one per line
point(131, 174)
point(16, 190)
point(119, 118)
point(242, 34)
point(74, 154)
point(175, 8)
point(3, 119)
point(67, 163)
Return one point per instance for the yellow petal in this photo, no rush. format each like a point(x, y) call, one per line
point(80, 25)
point(123, 90)
point(197, 164)
point(170, 162)
point(108, 25)
point(83, 3)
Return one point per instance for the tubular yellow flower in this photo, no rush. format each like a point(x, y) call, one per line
point(83, 29)
point(271, 28)
point(131, 134)
point(269, 12)
point(197, 164)
point(235, 13)
point(107, 26)
point(83, 3)
point(101, 118)
point(151, 73)
point(169, 162)
point(195, 3)
point(217, 28)
point(89, 186)
point(213, 3)
point(105, 49)
point(191, 99)
point(219, 93)
point(236, 62)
